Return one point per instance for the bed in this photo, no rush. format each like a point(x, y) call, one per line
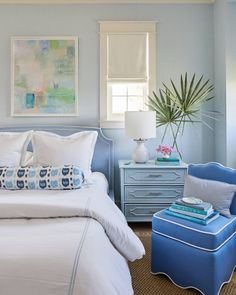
point(67, 241)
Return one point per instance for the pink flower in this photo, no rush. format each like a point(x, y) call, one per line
point(165, 149)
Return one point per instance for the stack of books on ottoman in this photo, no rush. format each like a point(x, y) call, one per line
point(193, 209)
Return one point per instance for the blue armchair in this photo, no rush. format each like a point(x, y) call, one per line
point(193, 255)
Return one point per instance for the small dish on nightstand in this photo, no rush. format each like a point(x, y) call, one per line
point(192, 201)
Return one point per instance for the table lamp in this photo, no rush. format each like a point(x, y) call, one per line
point(140, 126)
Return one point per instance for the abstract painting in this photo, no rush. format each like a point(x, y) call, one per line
point(44, 76)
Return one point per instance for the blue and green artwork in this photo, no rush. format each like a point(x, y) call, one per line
point(44, 76)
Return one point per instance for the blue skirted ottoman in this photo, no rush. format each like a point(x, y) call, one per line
point(193, 255)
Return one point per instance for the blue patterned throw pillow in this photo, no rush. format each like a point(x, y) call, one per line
point(66, 177)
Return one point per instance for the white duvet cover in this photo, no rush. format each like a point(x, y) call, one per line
point(64, 243)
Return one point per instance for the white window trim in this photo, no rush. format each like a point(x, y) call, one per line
point(126, 27)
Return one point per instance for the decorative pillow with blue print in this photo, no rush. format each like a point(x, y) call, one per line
point(66, 177)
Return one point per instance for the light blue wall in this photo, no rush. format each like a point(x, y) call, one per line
point(231, 83)
point(225, 80)
point(184, 43)
point(220, 78)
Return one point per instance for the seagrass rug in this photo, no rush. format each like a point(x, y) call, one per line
point(144, 283)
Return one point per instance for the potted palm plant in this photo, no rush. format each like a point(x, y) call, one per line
point(176, 106)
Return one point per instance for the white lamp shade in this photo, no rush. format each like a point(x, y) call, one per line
point(140, 125)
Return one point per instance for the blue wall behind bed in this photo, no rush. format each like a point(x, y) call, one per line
point(185, 42)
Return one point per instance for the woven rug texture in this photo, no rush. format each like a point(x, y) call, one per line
point(144, 283)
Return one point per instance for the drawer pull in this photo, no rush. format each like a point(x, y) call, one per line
point(154, 175)
point(143, 214)
point(150, 212)
point(150, 194)
point(154, 194)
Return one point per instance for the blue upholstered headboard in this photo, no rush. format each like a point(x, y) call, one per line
point(103, 155)
point(215, 171)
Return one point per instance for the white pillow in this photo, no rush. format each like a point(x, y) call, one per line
point(76, 149)
point(13, 146)
point(219, 194)
point(28, 159)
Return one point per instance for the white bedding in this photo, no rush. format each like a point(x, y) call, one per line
point(82, 252)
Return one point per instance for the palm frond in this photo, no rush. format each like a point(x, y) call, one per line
point(178, 106)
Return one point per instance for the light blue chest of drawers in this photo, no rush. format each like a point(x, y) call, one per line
point(148, 188)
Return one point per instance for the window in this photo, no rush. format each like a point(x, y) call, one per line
point(127, 69)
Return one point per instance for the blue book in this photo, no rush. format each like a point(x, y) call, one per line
point(203, 206)
point(209, 219)
point(189, 213)
point(191, 209)
point(168, 159)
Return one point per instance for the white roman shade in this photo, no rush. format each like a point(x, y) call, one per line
point(127, 68)
point(127, 56)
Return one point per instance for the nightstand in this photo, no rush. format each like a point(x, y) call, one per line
point(150, 187)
